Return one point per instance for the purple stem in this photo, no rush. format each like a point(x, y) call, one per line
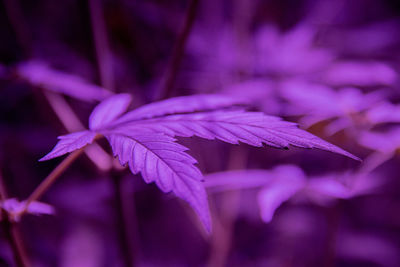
point(17, 21)
point(167, 85)
point(103, 52)
point(12, 232)
point(125, 244)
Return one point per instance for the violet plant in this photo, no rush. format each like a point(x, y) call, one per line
point(161, 101)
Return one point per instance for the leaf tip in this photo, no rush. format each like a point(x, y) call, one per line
point(356, 158)
point(45, 158)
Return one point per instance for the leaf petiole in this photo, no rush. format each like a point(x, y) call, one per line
point(52, 177)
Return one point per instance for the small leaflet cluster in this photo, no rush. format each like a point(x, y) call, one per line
point(144, 138)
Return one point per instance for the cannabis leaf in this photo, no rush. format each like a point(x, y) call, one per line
point(164, 162)
point(108, 110)
point(182, 104)
point(144, 138)
point(253, 128)
point(69, 143)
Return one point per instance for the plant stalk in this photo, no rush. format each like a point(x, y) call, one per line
point(52, 177)
point(12, 232)
point(16, 18)
point(103, 53)
point(167, 86)
point(128, 253)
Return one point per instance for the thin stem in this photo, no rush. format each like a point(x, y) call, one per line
point(224, 225)
point(103, 53)
point(226, 217)
point(52, 177)
point(124, 241)
point(16, 18)
point(14, 237)
point(333, 220)
point(178, 52)
point(12, 232)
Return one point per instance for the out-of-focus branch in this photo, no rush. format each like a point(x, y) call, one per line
point(167, 84)
point(123, 234)
point(12, 232)
point(16, 18)
point(72, 123)
point(103, 53)
point(224, 220)
point(223, 227)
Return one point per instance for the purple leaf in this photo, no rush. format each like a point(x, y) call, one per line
point(324, 102)
point(108, 110)
point(308, 98)
point(148, 146)
point(252, 128)
point(318, 103)
point(329, 187)
point(39, 74)
point(323, 190)
point(359, 74)
point(384, 113)
point(243, 179)
point(287, 180)
point(159, 159)
point(237, 179)
point(385, 142)
point(261, 93)
point(182, 104)
point(273, 196)
point(289, 53)
point(69, 143)
point(278, 185)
